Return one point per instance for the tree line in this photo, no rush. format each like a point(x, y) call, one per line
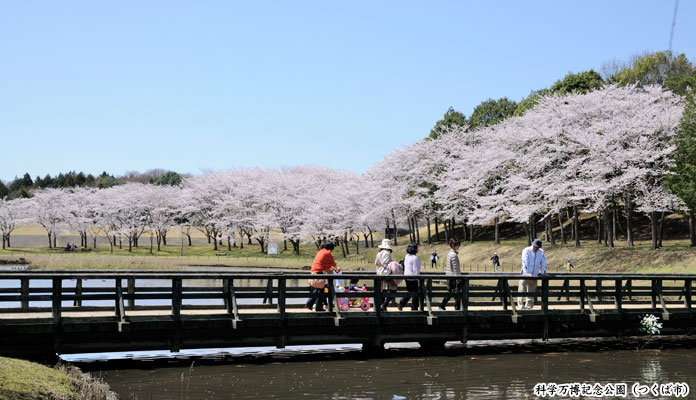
point(611, 147)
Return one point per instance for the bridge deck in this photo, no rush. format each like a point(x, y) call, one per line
point(96, 311)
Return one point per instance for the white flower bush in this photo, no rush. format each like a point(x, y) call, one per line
point(650, 324)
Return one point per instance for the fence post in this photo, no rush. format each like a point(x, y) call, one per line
point(25, 294)
point(56, 297)
point(618, 295)
point(687, 293)
point(131, 293)
point(378, 297)
point(545, 304)
point(465, 310)
point(176, 298)
point(281, 296)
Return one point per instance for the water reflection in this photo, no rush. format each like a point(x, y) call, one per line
point(345, 373)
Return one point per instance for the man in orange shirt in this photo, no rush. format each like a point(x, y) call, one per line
point(323, 264)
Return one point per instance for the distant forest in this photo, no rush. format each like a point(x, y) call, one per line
point(22, 186)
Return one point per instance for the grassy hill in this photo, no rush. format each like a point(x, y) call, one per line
point(674, 256)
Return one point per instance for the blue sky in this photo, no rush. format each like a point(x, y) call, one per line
point(187, 86)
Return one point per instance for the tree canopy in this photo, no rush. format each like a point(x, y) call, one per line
point(490, 112)
point(451, 119)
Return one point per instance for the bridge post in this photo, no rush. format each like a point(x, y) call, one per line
point(618, 296)
point(25, 294)
point(282, 335)
point(378, 297)
point(421, 294)
point(545, 305)
point(687, 293)
point(653, 293)
point(131, 294)
point(176, 313)
point(465, 311)
point(56, 298)
point(78, 292)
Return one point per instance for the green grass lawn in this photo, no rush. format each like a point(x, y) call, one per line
point(25, 380)
point(674, 256)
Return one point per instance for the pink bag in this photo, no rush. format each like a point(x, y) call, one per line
point(396, 269)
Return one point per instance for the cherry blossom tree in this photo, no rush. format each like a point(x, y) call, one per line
point(13, 213)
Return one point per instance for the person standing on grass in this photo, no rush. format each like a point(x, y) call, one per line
point(323, 264)
point(533, 264)
point(452, 268)
point(411, 267)
point(496, 262)
point(433, 260)
point(382, 261)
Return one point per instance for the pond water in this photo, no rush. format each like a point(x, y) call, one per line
point(480, 370)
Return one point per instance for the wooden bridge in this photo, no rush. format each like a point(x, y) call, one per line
point(45, 313)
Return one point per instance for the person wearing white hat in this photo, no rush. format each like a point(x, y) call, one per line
point(381, 262)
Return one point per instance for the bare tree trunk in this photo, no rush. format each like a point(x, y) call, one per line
point(365, 235)
point(164, 238)
point(608, 236)
point(94, 242)
point(444, 223)
point(229, 243)
point(629, 220)
point(532, 225)
point(661, 229)
point(560, 228)
point(159, 240)
point(576, 226)
point(415, 224)
point(120, 243)
point(189, 239)
point(130, 245)
point(262, 242)
point(613, 225)
point(208, 236)
point(497, 230)
point(410, 231)
point(619, 226)
point(430, 239)
point(550, 230)
point(471, 232)
point(50, 243)
point(372, 240)
point(345, 240)
point(437, 232)
point(653, 229)
point(692, 230)
point(525, 226)
point(395, 231)
point(599, 229)
point(386, 228)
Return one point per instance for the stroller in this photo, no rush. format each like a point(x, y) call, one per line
point(345, 303)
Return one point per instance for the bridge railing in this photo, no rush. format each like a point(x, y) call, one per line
point(125, 294)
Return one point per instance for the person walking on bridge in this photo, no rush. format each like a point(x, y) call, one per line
point(452, 268)
point(382, 261)
point(323, 263)
point(533, 264)
point(412, 266)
